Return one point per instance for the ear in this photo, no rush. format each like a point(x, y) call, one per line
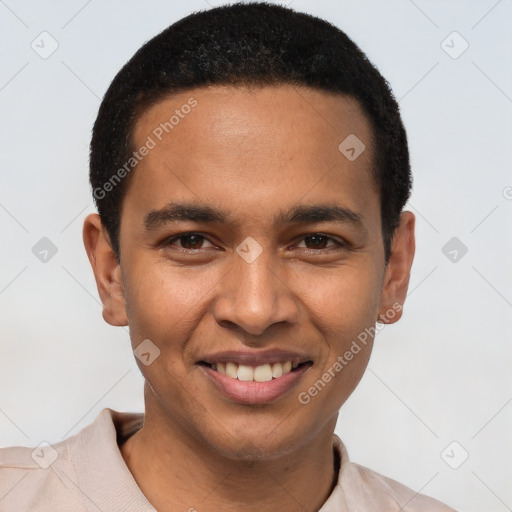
point(398, 271)
point(107, 270)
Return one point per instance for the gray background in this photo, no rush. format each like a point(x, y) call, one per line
point(439, 376)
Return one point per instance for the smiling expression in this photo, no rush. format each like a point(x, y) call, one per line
point(252, 257)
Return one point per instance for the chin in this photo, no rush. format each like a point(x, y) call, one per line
point(257, 444)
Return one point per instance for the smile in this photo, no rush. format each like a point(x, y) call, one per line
point(262, 373)
point(251, 385)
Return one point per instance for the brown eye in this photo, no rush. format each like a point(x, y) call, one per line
point(316, 241)
point(189, 241)
point(319, 242)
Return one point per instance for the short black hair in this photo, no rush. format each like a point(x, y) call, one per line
point(252, 44)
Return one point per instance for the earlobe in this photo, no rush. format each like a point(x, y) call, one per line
point(398, 271)
point(107, 270)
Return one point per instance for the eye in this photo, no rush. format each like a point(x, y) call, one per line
point(315, 242)
point(319, 241)
point(188, 241)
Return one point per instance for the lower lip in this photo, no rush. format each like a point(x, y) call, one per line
point(255, 392)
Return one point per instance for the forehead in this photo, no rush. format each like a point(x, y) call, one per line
point(254, 150)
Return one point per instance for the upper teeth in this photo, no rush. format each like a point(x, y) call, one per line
point(262, 373)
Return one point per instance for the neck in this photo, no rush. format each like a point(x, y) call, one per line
point(175, 472)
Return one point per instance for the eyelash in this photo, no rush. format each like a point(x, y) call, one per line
point(338, 245)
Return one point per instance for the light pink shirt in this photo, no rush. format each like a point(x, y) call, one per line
point(87, 473)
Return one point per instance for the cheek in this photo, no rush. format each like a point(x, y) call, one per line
point(344, 302)
point(165, 305)
point(165, 302)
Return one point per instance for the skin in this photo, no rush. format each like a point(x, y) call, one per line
point(249, 153)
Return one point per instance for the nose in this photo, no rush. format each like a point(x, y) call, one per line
point(254, 296)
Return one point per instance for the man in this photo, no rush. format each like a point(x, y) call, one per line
point(250, 169)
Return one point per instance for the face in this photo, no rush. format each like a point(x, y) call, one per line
point(252, 259)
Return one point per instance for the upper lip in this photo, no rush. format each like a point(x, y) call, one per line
point(255, 358)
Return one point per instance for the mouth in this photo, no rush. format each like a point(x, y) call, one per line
point(261, 373)
point(254, 384)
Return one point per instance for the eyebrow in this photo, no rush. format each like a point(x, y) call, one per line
point(299, 214)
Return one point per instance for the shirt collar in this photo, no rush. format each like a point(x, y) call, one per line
point(106, 482)
point(102, 475)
